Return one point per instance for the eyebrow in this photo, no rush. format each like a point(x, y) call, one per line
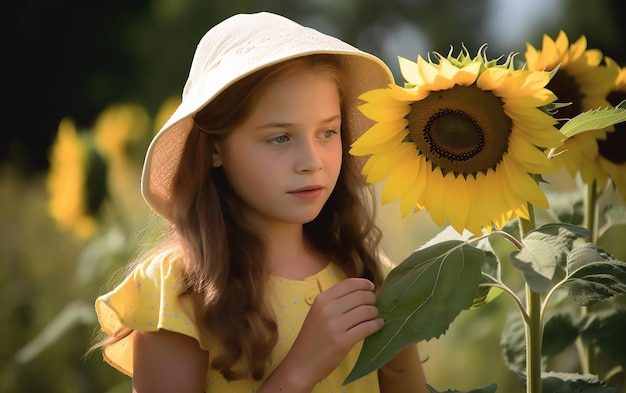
point(287, 125)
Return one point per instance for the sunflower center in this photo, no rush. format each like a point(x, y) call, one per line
point(566, 90)
point(454, 135)
point(462, 130)
point(612, 148)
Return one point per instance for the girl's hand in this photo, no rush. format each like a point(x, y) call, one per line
point(339, 318)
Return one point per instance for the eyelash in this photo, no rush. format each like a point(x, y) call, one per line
point(275, 140)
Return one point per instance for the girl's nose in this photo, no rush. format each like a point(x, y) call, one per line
point(309, 158)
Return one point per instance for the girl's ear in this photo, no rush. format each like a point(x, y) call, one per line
point(216, 156)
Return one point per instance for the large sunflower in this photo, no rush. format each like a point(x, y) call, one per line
point(584, 82)
point(612, 150)
point(462, 139)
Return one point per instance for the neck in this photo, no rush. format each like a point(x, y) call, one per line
point(290, 255)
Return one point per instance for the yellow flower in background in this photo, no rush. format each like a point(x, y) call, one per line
point(118, 127)
point(75, 181)
point(612, 150)
point(462, 139)
point(121, 133)
point(583, 81)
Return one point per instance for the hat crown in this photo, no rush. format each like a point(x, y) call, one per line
point(235, 47)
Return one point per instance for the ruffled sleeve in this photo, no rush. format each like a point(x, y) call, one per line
point(147, 300)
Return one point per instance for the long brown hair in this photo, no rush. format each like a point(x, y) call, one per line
point(222, 254)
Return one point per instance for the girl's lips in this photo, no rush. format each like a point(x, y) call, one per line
point(308, 192)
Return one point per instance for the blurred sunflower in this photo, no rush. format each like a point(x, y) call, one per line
point(583, 81)
point(121, 134)
point(76, 181)
point(118, 128)
point(462, 139)
point(612, 150)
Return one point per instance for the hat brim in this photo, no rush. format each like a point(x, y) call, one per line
point(207, 80)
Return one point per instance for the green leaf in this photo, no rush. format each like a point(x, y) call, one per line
point(593, 275)
point(568, 206)
point(545, 249)
point(571, 383)
point(606, 332)
point(558, 334)
point(513, 341)
point(500, 246)
point(419, 299)
point(490, 271)
point(593, 120)
point(483, 389)
point(77, 312)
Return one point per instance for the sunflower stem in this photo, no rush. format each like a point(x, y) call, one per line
point(591, 202)
point(585, 349)
point(507, 236)
point(534, 328)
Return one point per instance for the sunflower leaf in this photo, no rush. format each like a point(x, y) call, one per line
point(606, 331)
point(559, 333)
point(513, 341)
point(420, 298)
point(545, 249)
point(491, 271)
point(593, 120)
point(571, 383)
point(593, 276)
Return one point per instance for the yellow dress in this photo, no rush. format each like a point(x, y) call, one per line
point(148, 300)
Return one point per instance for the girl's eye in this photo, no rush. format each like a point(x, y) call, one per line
point(328, 133)
point(279, 140)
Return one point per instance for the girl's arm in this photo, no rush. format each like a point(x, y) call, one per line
point(403, 373)
point(164, 361)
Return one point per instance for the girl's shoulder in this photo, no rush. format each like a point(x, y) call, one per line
point(148, 299)
point(166, 265)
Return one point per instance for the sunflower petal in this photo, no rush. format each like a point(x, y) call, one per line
point(384, 113)
point(408, 202)
point(473, 222)
point(527, 154)
point(523, 185)
point(381, 133)
point(409, 71)
point(432, 199)
point(363, 150)
point(468, 74)
point(388, 161)
point(457, 201)
point(393, 95)
point(427, 71)
point(401, 179)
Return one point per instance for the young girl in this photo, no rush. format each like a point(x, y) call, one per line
point(266, 280)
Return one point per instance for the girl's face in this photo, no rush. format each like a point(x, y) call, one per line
point(284, 160)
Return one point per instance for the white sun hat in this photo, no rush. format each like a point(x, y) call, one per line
point(233, 49)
